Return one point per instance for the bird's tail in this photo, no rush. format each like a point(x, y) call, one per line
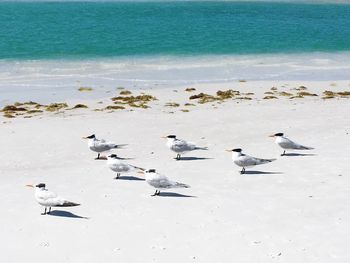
point(262, 161)
point(201, 148)
point(67, 204)
point(182, 185)
point(301, 147)
point(139, 168)
point(119, 146)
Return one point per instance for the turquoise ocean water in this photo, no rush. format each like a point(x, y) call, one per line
point(79, 30)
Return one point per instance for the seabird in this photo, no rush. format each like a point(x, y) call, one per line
point(287, 144)
point(160, 181)
point(181, 146)
point(119, 167)
point(244, 160)
point(100, 146)
point(49, 199)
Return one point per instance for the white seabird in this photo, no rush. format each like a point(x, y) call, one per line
point(49, 199)
point(244, 160)
point(287, 144)
point(100, 146)
point(161, 182)
point(181, 146)
point(116, 165)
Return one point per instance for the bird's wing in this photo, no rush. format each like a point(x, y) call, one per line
point(104, 146)
point(181, 145)
point(251, 161)
point(121, 167)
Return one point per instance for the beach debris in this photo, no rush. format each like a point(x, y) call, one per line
point(305, 93)
point(13, 108)
point(79, 106)
point(243, 98)
point(8, 115)
point(34, 111)
point(139, 101)
point(125, 92)
point(185, 110)
point(115, 107)
point(172, 104)
point(300, 88)
point(284, 93)
point(56, 106)
point(273, 88)
point(85, 89)
point(189, 104)
point(327, 94)
point(242, 80)
point(190, 89)
point(269, 97)
point(269, 93)
point(227, 94)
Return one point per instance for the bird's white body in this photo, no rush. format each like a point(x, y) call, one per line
point(180, 146)
point(288, 144)
point(47, 198)
point(160, 181)
point(100, 146)
point(244, 160)
point(119, 167)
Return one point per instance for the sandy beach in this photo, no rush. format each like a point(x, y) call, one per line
point(291, 210)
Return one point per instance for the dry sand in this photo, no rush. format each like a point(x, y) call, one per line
point(295, 209)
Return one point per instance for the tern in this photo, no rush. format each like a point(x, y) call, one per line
point(287, 144)
point(181, 146)
point(100, 146)
point(160, 181)
point(119, 167)
point(49, 199)
point(244, 160)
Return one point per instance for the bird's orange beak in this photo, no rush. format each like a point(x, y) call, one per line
point(164, 137)
point(84, 137)
point(140, 172)
point(30, 185)
point(228, 150)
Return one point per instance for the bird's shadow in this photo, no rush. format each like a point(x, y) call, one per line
point(298, 154)
point(260, 172)
point(131, 178)
point(193, 158)
point(61, 213)
point(171, 194)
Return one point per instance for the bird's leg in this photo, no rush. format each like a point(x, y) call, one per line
point(178, 156)
point(44, 211)
point(155, 193)
point(284, 153)
point(49, 210)
point(158, 192)
point(243, 170)
point(117, 177)
point(98, 156)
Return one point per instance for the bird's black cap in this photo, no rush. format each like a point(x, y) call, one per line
point(41, 185)
point(113, 156)
point(151, 170)
point(91, 136)
point(278, 134)
point(237, 150)
point(171, 136)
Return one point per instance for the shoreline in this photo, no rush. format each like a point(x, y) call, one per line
point(50, 81)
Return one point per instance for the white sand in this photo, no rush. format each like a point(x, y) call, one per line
point(295, 210)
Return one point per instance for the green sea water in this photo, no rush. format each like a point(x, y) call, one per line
point(85, 30)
